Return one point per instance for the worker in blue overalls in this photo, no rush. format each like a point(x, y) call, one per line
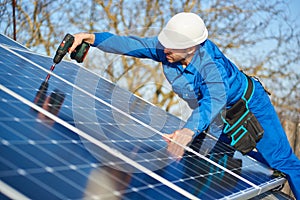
point(209, 82)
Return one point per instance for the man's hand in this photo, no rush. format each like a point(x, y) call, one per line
point(79, 37)
point(183, 137)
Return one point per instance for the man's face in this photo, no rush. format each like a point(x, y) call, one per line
point(175, 55)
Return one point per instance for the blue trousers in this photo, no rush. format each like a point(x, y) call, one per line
point(274, 146)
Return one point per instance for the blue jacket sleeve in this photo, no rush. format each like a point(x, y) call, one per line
point(147, 47)
point(213, 87)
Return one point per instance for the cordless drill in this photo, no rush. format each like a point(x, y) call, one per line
point(79, 55)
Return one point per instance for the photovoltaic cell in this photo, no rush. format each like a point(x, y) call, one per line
point(105, 142)
point(9, 42)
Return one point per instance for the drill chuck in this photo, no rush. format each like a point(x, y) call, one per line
point(57, 58)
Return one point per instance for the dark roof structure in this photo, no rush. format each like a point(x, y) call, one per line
point(90, 139)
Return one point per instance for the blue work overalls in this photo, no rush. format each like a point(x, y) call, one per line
point(208, 84)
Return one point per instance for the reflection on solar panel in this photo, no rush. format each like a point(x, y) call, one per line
point(105, 143)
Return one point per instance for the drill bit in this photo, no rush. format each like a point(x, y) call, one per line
point(51, 69)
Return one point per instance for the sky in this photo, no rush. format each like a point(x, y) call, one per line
point(295, 9)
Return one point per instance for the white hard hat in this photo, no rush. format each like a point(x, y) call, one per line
point(182, 31)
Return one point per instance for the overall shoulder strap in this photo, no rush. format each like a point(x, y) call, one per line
point(249, 89)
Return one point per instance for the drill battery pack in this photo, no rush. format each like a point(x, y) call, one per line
point(80, 52)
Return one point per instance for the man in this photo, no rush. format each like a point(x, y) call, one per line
point(208, 81)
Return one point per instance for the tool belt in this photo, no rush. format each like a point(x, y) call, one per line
point(240, 125)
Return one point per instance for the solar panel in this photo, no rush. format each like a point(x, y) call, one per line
point(105, 142)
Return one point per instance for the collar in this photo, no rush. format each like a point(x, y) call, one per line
point(190, 68)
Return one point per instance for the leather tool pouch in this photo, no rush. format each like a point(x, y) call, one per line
point(241, 126)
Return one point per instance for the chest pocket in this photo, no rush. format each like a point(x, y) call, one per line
point(188, 94)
